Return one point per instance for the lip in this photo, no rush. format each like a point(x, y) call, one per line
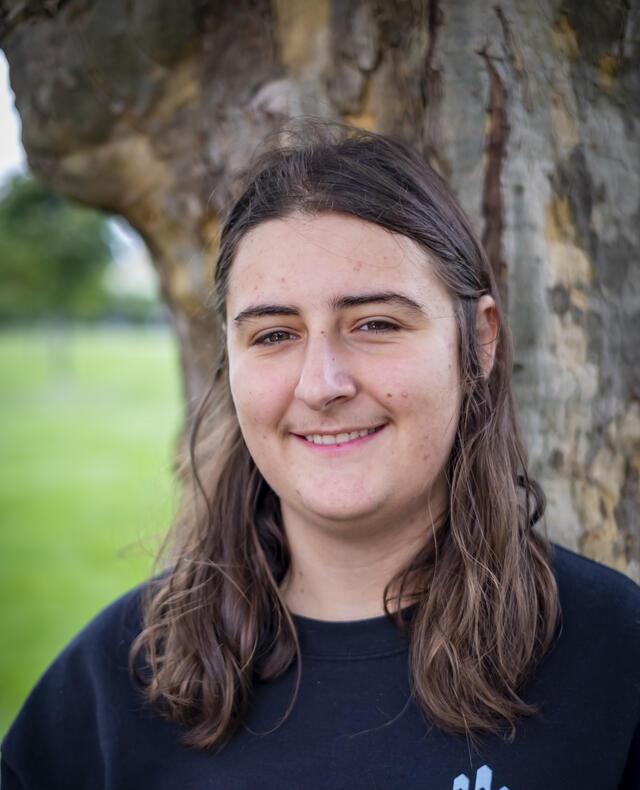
point(338, 449)
point(324, 432)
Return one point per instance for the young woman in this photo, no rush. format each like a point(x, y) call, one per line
point(355, 595)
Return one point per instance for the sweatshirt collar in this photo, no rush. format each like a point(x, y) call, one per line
point(354, 639)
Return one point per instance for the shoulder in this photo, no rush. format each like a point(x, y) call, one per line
point(587, 584)
point(600, 611)
point(106, 639)
point(103, 643)
point(91, 674)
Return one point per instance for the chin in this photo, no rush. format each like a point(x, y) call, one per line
point(342, 514)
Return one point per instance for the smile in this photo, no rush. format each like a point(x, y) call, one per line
point(350, 438)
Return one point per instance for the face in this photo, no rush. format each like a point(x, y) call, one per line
point(336, 326)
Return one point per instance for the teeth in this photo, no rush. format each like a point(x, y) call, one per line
point(341, 438)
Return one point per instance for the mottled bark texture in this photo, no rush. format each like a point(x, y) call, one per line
point(151, 108)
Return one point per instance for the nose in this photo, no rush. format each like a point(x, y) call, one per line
point(325, 376)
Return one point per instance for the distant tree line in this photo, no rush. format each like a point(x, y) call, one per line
point(54, 256)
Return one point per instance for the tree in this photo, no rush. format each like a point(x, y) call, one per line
point(151, 108)
point(52, 255)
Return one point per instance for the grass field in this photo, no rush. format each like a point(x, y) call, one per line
point(87, 429)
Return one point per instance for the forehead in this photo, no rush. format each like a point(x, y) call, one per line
point(307, 257)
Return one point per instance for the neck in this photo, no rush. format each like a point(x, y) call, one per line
point(335, 577)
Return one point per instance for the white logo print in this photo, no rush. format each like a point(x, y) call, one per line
point(483, 780)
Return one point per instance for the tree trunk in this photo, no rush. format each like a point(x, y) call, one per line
point(530, 108)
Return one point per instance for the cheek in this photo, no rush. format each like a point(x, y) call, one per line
point(426, 396)
point(427, 383)
point(259, 400)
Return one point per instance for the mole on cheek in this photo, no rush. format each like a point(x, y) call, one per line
point(389, 395)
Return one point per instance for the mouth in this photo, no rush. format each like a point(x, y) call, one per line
point(345, 439)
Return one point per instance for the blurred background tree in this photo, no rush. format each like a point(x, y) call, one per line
point(53, 256)
point(530, 108)
point(89, 415)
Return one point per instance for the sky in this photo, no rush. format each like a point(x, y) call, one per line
point(12, 158)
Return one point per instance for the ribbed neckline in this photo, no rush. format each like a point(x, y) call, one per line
point(353, 639)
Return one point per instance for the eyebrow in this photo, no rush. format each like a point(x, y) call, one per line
point(337, 303)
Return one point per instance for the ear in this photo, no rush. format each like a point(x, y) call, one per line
point(486, 333)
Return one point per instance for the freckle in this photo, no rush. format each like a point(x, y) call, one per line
point(283, 280)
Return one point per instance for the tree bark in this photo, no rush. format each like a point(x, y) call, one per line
point(530, 108)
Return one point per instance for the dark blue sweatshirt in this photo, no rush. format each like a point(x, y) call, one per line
point(354, 725)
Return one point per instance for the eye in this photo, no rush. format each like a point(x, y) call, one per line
point(272, 338)
point(377, 326)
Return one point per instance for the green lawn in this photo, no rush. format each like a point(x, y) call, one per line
point(87, 429)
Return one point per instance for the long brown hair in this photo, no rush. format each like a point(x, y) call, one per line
point(486, 603)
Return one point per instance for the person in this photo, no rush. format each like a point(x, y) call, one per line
point(357, 591)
